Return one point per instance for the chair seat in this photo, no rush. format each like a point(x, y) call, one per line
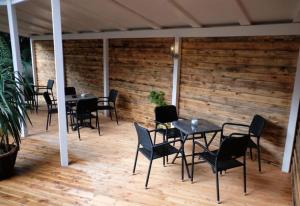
point(105, 107)
point(172, 132)
point(222, 165)
point(159, 151)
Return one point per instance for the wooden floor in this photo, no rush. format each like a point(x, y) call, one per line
point(100, 173)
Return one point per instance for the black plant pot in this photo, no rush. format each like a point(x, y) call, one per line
point(7, 162)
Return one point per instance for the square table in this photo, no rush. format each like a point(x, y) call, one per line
point(76, 98)
point(188, 129)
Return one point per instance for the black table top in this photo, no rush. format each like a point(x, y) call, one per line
point(203, 126)
point(75, 98)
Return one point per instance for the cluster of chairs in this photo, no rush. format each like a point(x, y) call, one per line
point(232, 147)
point(78, 114)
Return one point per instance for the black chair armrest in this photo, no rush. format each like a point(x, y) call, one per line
point(165, 143)
point(234, 124)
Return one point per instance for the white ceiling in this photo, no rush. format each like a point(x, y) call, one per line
point(34, 16)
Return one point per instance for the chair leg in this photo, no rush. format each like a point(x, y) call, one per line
point(258, 156)
point(164, 158)
point(154, 139)
point(217, 184)
point(116, 115)
point(136, 157)
point(78, 128)
point(148, 175)
point(50, 119)
point(97, 123)
point(37, 104)
point(193, 156)
point(47, 121)
point(245, 179)
point(110, 114)
point(251, 156)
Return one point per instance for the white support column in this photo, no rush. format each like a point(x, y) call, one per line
point(105, 69)
point(289, 142)
point(15, 47)
point(34, 74)
point(60, 82)
point(176, 71)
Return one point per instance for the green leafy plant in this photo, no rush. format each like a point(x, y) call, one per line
point(12, 108)
point(157, 98)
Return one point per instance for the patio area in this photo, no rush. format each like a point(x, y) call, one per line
point(100, 173)
point(182, 67)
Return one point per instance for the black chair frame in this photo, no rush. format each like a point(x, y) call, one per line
point(255, 130)
point(84, 110)
point(154, 151)
point(226, 157)
point(109, 103)
point(48, 88)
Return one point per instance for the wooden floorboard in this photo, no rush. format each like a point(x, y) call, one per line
point(100, 173)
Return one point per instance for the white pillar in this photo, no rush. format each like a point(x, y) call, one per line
point(60, 82)
point(289, 142)
point(34, 74)
point(15, 47)
point(176, 71)
point(105, 69)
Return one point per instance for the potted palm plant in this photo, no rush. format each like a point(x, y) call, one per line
point(12, 115)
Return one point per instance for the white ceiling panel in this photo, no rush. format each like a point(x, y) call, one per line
point(270, 10)
point(34, 16)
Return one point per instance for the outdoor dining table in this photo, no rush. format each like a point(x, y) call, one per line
point(76, 98)
point(73, 99)
point(202, 127)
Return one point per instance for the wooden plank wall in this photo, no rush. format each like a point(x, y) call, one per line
point(82, 61)
point(231, 79)
point(296, 167)
point(138, 66)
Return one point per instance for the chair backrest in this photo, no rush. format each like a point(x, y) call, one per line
point(113, 94)
point(86, 106)
point(47, 98)
point(165, 114)
point(50, 84)
point(257, 125)
point(233, 147)
point(70, 91)
point(144, 137)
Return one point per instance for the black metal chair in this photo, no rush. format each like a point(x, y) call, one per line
point(84, 114)
point(39, 91)
point(70, 91)
point(154, 151)
point(226, 157)
point(255, 130)
point(29, 97)
point(164, 115)
point(109, 103)
point(51, 107)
